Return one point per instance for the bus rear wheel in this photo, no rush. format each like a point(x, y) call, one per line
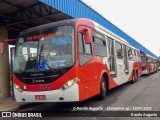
point(149, 73)
point(133, 79)
point(136, 75)
point(103, 89)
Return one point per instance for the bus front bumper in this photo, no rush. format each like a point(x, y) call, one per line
point(68, 95)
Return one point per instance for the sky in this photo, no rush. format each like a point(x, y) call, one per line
point(140, 19)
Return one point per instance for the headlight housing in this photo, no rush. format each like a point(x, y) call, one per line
point(69, 83)
point(18, 88)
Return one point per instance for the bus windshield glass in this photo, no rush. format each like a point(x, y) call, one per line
point(46, 49)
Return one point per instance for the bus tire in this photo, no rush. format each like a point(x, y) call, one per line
point(149, 73)
point(136, 75)
point(156, 71)
point(103, 89)
point(133, 79)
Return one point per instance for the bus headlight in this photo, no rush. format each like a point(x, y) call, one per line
point(69, 83)
point(17, 88)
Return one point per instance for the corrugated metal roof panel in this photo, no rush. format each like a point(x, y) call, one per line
point(78, 9)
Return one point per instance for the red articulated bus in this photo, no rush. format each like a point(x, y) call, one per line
point(149, 64)
point(71, 60)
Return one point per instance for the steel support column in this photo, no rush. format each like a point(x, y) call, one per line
point(4, 66)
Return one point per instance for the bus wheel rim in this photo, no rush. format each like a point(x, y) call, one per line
point(104, 87)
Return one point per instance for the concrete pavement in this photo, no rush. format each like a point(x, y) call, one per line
point(7, 104)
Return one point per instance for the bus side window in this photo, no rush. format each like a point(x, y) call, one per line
point(99, 47)
point(110, 47)
point(81, 43)
point(85, 52)
point(134, 54)
point(139, 57)
point(119, 50)
point(130, 56)
point(99, 44)
point(83, 47)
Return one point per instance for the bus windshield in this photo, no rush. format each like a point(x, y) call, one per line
point(45, 49)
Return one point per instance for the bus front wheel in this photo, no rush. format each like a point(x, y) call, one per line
point(103, 89)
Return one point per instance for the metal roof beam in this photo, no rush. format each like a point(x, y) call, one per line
point(38, 14)
point(46, 9)
point(5, 20)
point(11, 4)
point(30, 11)
point(28, 16)
point(28, 7)
point(24, 21)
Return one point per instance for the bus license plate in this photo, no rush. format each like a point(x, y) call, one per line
point(40, 97)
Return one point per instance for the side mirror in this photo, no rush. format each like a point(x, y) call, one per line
point(87, 35)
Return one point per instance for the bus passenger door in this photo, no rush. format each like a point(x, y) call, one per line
point(86, 63)
point(126, 66)
point(111, 56)
point(120, 62)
